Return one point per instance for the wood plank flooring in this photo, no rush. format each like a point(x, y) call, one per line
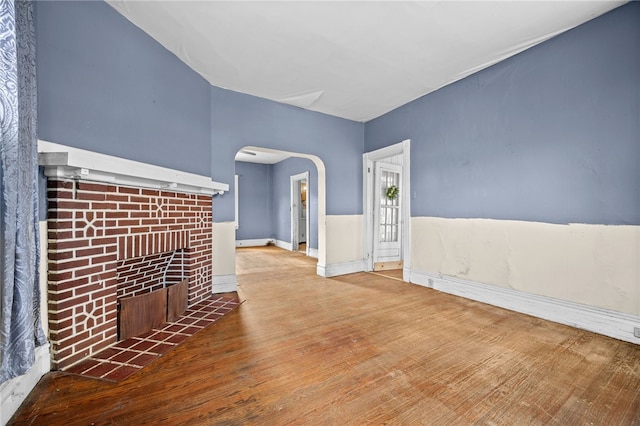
point(354, 350)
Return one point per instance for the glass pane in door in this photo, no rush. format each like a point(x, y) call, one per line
point(388, 207)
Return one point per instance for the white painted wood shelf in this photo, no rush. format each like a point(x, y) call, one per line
point(74, 163)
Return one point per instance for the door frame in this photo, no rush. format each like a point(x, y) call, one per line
point(368, 163)
point(295, 213)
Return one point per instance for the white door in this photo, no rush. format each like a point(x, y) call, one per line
point(387, 242)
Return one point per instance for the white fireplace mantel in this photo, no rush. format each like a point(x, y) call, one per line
point(73, 163)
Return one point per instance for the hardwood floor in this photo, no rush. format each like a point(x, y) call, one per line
point(358, 349)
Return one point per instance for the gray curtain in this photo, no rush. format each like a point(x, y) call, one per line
point(20, 329)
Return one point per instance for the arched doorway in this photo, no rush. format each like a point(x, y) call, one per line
point(262, 155)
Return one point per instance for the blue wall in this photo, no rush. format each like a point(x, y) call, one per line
point(550, 135)
point(240, 120)
point(254, 201)
point(281, 195)
point(106, 86)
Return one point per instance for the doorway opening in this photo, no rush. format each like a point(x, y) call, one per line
point(281, 201)
point(387, 211)
point(300, 212)
point(386, 201)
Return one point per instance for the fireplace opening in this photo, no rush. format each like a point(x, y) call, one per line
point(152, 290)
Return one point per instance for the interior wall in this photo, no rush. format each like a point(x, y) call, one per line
point(254, 201)
point(106, 86)
point(344, 244)
point(224, 257)
point(505, 160)
point(281, 196)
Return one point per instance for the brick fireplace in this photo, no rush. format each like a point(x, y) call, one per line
point(107, 241)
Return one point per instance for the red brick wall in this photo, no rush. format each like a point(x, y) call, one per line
point(94, 226)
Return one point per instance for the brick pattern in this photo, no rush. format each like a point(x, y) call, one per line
point(145, 274)
point(136, 245)
point(92, 227)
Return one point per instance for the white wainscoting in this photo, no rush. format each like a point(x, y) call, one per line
point(594, 265)
point(224, 258)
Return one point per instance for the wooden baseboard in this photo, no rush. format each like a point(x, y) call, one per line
point(254, 243)
point(598, 320)
point(284, 245)
point(335, 269)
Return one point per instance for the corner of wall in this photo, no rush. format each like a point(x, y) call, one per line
point(13, 392)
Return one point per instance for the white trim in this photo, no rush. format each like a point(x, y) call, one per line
point(284, 245)
point(598, 320)
point(336, 269)
point(13, 392)
point(236, 199)
point(320, 270)
point(259, 242)
point(224, 283)
point(73, 163)
point(368, 160)
point(312, 252)
point(406, 274)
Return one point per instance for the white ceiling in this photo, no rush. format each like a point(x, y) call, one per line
point(356, 60)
